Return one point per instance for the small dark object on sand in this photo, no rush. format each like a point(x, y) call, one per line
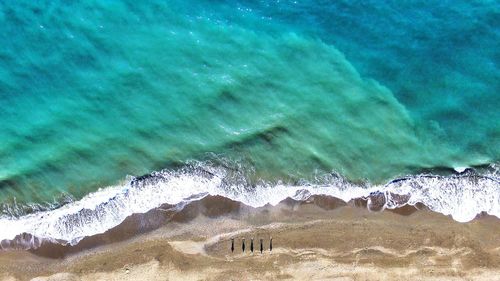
point(232, 245)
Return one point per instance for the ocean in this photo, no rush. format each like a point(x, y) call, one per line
point(252, 100)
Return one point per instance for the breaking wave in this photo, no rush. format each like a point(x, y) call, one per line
point(462, 196)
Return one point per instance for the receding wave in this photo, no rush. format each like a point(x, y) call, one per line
point(462, 195)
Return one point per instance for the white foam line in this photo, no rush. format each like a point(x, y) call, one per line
point(461, 197)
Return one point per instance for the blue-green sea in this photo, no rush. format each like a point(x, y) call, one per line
point(94, 91)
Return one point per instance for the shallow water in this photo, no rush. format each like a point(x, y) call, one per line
point(462, 196)
point(93, 92)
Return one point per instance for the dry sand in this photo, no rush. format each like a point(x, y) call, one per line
point(311, 241)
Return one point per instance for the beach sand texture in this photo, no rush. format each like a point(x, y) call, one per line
point(320, 239)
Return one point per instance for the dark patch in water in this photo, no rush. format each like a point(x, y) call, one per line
point(447, 171)
point(320, 162)
point(227, 96)
point(266, 136)
point(8, 183)
point(470, 175)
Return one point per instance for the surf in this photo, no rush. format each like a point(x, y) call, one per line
point(462, 196)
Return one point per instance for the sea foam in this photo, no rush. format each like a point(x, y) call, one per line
point(461, 196)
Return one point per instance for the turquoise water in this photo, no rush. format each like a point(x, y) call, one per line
point(92, 92)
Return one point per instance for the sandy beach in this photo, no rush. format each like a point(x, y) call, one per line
point(320, 239)
point(249, 140)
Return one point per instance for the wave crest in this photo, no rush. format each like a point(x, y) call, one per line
point(463, 196)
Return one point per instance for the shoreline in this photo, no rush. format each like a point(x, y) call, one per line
point(322, 237)
point(138, 201)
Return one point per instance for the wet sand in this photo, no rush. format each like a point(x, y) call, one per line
point(321, 239)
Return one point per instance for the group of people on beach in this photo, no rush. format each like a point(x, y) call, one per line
point(251, 245)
